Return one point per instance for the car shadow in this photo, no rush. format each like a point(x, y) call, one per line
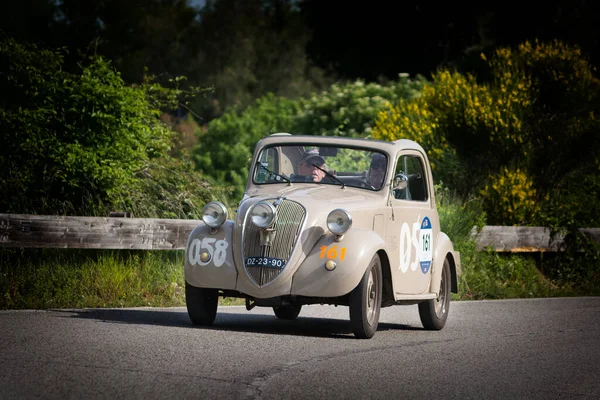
point(234, 322)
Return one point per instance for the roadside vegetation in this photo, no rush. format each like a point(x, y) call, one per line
point(513, 142)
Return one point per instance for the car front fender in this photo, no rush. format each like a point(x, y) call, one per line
point(352, 256)
point(219, 271)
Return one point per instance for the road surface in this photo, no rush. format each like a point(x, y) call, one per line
point(503, 349)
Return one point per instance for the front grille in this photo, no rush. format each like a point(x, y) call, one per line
point(290, 217)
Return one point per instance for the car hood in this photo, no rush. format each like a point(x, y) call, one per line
point(318, 201)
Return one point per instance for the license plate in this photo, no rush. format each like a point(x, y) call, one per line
point(268, 262)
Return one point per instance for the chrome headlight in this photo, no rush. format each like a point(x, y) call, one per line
point(214, 214)
point(263, 214)
point(339, 221)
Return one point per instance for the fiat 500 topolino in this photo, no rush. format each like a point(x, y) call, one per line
point(327, 220)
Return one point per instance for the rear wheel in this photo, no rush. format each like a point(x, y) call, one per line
point(287, 312)
point(434, 313)
point(365, 301)
point(201, 304)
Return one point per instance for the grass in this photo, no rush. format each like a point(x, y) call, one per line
point(67, 278)
point(492, 275)
point(57, 278)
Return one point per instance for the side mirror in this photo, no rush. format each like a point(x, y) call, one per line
point(400, 182)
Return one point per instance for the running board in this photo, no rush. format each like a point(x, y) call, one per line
point(425, 296)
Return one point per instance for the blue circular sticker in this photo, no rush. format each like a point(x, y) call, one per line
point(425, 245)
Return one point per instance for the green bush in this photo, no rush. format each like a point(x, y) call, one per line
point(510, 196)
point(84, 143)
point(350, 109)
point(488, 274)
point(578, 265)
point(225, 149)
point(75, 138)
point(171, 188)
point(458, 219)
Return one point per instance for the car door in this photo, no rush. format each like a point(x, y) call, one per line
point(410, 231)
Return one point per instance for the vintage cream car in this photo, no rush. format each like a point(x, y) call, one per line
point(327, 220)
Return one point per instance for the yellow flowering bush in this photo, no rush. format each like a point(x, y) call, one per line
point(456, 116)
point(469, 109)
point(557, 64)
point(535, 108)
point(510, 197)
point(413, 120)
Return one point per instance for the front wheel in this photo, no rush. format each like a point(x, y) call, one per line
point(434, 313)
point(365, 301)
point(201, 304)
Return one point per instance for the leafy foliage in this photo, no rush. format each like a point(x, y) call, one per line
point(510, 197)
point(225, 150)
point(346, 109)
point(488, 274)
point(83, 143)
point(350, 108)
point(520, 133)
point(578, 265)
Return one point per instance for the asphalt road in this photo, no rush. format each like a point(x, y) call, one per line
point(513, 349)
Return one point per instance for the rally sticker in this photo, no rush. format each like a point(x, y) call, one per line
point(425, 245)
point(216, 249)
point(420, 239)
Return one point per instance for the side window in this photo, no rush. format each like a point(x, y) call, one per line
point(268, 161)
point(410, 169)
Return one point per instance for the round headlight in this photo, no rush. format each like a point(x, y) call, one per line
point(263, 214)
point(339, 221)
point(214, 214)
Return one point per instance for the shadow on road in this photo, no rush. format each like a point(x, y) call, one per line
point(236, 322)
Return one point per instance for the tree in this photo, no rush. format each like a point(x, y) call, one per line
point(250, 48)
point(84, 143)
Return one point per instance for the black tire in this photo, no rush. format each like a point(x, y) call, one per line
point(201, 304)
point(287, 312)
point(434, 313)
point(365, 301)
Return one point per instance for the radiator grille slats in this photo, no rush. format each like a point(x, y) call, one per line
point(290, 216)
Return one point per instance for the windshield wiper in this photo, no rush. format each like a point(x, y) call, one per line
point(331, 176)
point(285, 178)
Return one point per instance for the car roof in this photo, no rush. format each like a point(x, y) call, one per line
point(388, 147)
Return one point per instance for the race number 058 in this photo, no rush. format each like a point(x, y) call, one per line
point(217, 249)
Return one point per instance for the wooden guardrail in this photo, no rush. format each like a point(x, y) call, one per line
point(521, 239)
point(49, 231)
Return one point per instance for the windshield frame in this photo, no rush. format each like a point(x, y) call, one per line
point(346, 179)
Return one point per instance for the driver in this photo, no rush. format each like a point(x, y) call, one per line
point(306, 165)
point(377, 170)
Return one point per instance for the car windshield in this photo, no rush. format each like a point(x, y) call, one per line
point(321, 164)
